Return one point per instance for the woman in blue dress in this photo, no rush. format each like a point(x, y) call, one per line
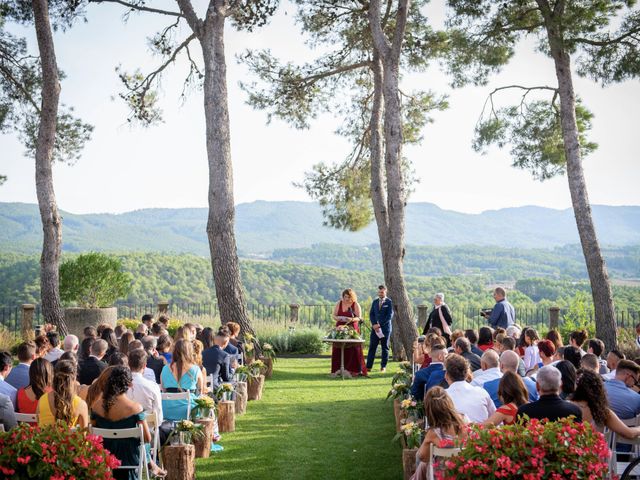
point(182, 375)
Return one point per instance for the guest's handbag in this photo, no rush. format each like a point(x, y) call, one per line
point(445, 326)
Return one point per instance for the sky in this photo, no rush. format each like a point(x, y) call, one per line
point(125, 168)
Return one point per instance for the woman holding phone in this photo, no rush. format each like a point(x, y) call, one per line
point(347, 312)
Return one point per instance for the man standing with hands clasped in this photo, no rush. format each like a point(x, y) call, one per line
point(380, 315)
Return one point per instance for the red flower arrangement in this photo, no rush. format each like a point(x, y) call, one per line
point(533, 450)
point(54, 453)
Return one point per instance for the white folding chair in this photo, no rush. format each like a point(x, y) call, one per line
point(122, 433)
point(209, 384)
point(186, 396)
point(1, 427)
point(26, 418)
point(617, 440)
point(154, 428)
point(440, 453)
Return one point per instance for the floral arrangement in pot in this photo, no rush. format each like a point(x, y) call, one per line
point(185, 432)
point(224, 391)
point(204, 407)
point(241, 373)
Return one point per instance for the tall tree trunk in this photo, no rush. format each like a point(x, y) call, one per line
point(596, 267)
point(391, 215)
point(51, 220)
point(221, 221)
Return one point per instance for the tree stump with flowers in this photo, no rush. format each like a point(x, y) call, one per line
point(409, 462)
point(179, 462)
point(226, 416)
point(254, 387)
point(397, 413)
point(241, 398)
point(203, 444)
point(269, 367)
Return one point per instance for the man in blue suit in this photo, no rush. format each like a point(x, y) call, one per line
point(6, 362)
point(430, 376)
point(19, 375)
point(380, 315)
point(216, 360)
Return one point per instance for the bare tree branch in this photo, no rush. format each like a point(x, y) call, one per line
point(379, 38)
point(610, 41)
point(190, 15)
point(401, 26)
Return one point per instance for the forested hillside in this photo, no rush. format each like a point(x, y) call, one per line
point(187, 278)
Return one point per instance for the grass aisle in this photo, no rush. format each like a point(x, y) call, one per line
point(309, 426)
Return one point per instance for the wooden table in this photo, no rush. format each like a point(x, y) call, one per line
point(343, 343)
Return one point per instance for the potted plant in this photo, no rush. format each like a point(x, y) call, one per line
point(203, 413)
point(224, 392)
point(409, 437)
point(204, 407)
point(242, 396)
point(256, 380)
point(268, 357)
point(178, 457)
point(93, 282)
point(530, 449)
point(54, 451)
point(249, 348)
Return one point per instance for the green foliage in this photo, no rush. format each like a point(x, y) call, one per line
point(305, 340)
point(534, 132)
point(579, 316)
point(93, 280)
point(132, 324)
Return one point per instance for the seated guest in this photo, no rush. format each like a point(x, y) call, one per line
point(154, 361)
point(123, 342)
point(93, 366)
point(429, 377)
point(118, 359)
point(511, 394)
point(462, 347)
point(7, 415)
point(555, 338)
point(590, 362)
point(90, 332)
point(558, 356)
point(485, 338)
point(596, 346)
point(180, 376)
point(119, 330)
point(613, 357)
point(206, 337)
point(622, 399)
point(147, 321)
point(96, 389)
point(54, 351)
point(6, 362)
point(572, 354)
point(157, 329)
point(590, 396)
point(62, 403)
point(568, 374)
point(471, 335)
point(71, 348)
point(217, 361)
point(546, 349)
point(513, 331)
point(509, 343)
point(19, 375)
point(85, 348)
point(101, 328)
point(141, 331)
point(577, 339)
point(421, 352)
point(163, 320)
point(42, 345)
point(549, 405)
point(109, 336)
point(143, 391)
point(114, 410)
point(40, 382)
point(198, 347)
point(445, 423)
point(531, 354)
point(509, 361)
point(474, 402)
point(231, 349)
point(164, 346)
point(489, 369)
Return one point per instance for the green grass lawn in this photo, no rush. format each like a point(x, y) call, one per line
point(310, 426)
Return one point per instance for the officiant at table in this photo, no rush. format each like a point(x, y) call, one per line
point(348, 312)
point(380, 315)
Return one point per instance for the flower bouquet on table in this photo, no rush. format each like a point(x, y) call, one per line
point(185, 432)
point(343, 332)
point(54, 452)
point(204, 407)
point(224, 392)
point(530, 449)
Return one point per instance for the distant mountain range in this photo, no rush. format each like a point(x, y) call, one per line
point(263, 227)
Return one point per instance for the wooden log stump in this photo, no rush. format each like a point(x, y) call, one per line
point(203, 444)
point(241, 398)
point(254, 387)
point(396, 413)
point(409, 462)
point(269, 364)
point(226, 416)
point(179, 462)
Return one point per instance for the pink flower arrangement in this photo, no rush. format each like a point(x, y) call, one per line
point(535, 450)
point(54, 453)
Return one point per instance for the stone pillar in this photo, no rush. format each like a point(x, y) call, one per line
point(28, 311)
point(554, 317)
point(293, 314)
point(163, 307)
point(423, 314)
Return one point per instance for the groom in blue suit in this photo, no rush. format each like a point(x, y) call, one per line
point(380, 315)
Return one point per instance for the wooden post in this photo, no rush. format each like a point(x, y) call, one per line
point(396, 413)
point(294, 312)
point(203, 444)
point(269, 364)
point(163, 307)
point(554, 317)
point(423, 314)
point(241, 398)
point(226, 416)
point(255, 386)
point(179, 462)
point(409, 462)
point(28, 311)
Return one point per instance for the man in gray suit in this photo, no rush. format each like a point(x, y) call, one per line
point(7, 415)
point(6, 362)
point(19, 375)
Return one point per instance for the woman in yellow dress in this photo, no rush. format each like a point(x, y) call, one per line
point(63, 403)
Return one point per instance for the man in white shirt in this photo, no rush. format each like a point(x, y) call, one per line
point(55, 352)
point(143, 391)
point(489, 369)
point(472, 401)
point(613, 358)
